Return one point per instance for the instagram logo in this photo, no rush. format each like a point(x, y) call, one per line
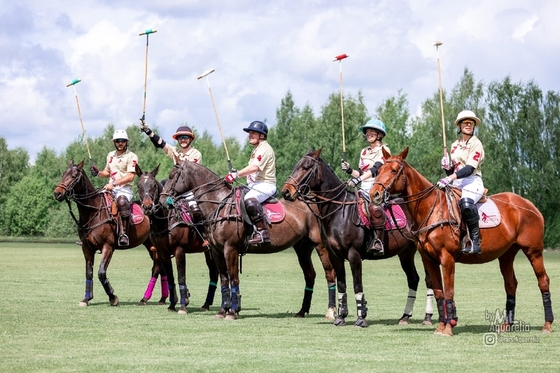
point(490, 339)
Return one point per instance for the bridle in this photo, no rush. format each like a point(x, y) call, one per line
point(386, 195)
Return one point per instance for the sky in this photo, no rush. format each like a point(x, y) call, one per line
point(259, 50)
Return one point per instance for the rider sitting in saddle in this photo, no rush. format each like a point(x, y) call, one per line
point(371, 158)
point(184, 149)
point(467, 154)
point(120, 168)
point(261, 179)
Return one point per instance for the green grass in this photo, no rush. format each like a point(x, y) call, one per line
point(44, 330)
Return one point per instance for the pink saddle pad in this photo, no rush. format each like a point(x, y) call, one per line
point(274, 211)
point(396, 212)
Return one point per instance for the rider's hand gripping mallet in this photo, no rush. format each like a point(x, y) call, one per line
point(205, 74)
point(339, 58)
point(73, 83)
point(437, 44)
point(147, 33)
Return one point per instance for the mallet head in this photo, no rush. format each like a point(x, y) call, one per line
point(75, 81)
point(208, 72)
point(147, 32)
point(437, 43)
point(340, 57)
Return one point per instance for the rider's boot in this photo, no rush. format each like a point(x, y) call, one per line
point(377, 219)
point(469, 213)
point(124, 212)
point(256, 214)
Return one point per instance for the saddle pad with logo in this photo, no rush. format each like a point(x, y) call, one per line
point(136, 213)
point(275, 212)
point(396, 212)
point(489, 215)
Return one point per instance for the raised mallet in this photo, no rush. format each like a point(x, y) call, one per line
point(339, 58)
point(147, 33)
point(205, 74)
point(73, 83)
point(437, 44)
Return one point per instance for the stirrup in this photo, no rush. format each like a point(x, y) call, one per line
point(469, 247)
point(257, 239)
point(374, 250)
point(123, 240)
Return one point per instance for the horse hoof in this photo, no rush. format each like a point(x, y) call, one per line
point(171, 309)
point(162, 301)
point(143, 302)
point(439, 329)
point(404, 320)
point(115, 301)
point(231, 315)
point(427, 322)
point(182, 311)
point(339, 322)
point(361, 323)
point(205, 307)
point(221, 314)
point(83, 303)
point(331, 314)
point(299, 315)
point(547, 328)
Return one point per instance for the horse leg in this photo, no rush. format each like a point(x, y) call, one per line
point(434, 274)
point(342, 296)
point(153, 279)
point(406, 258)
point(106, 255)
point(89, 256)
point(213, 284)
point(231, 256)
point(429, 299)
point(330, 275)
point(167, 271)
point(355, 261)
point(224, 282)
point(537, 263)
point(449, 311)
point(181, 262)
point(303, 253)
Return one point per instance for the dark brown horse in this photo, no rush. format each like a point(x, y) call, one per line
point(174, 234)
point(439, 229)
point(227, 232)
point(97, 229)
point(314, 182)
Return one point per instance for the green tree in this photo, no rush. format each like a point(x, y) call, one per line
point(13, 167)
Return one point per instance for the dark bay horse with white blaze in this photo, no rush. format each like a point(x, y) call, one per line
point(97, 229)
point(438, 227)
point(227, 231)
point(314, 182)
point(174, 234)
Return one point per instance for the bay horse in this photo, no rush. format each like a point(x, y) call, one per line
point(439, 229)
point(174, 235)
point(220, 207)
point(314, 182)
point(97, 231)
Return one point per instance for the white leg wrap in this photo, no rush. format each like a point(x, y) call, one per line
point(430, 301)
point(410, 302)
point(359, 300)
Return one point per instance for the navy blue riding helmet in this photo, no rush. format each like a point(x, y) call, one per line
point(257, 126)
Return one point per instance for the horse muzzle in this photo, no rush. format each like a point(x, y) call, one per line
point(288, 195)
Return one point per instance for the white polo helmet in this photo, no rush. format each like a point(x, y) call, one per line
point(120, 134)
point(467, 114)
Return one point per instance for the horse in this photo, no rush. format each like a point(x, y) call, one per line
point(174, 237)
point(97, 230)
point(314, 182)
point(516, 224)
point(220, 207)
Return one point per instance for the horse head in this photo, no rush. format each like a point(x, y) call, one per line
point(304, 177)
point(388, 180)
point(73, 180)
point(149, 189)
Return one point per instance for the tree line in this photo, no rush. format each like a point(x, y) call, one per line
point(520, 132)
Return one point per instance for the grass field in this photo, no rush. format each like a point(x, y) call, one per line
point(44, 330)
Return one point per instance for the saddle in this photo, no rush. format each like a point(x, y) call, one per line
point(136, 213)
point(274, 211)
point(395, 216)
point(488, 213)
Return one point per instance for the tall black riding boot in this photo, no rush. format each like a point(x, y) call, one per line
point(469, 213)
point(256, 214)
point(377, 220)
point(124, 213)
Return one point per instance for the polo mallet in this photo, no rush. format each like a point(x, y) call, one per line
point(205, 74)
point(437, 44)
point(339, 58)
point(147, 33)
point(73, 83)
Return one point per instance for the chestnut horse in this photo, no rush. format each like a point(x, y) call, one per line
point(314, 182)
point(219, 205)
point(174, 237)
point(97, 231)
point(438, 227)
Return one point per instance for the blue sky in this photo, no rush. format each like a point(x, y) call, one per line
point(259, 50)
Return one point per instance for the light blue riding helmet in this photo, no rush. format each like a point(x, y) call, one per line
point(375, 124)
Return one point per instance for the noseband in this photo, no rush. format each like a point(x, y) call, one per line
point(302, 186)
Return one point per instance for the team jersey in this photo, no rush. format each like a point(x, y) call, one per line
point(468, 153)
point(369, 156)
point(177, 155)
point(263, 157)
point(119, 166)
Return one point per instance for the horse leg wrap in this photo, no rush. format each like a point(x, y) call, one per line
point(307, 296)
point(430, 301)
point(342, 305)
point(361, 305)
point(547, 303)
point(235, 299)
point(211, 292)
point(441, 310)
point(332, 296)
point(226, 298)
point(107, 286)
point(89, 289)
point(450, 313)
point(184, 292)
point(150, 288)
point(409, 307)
point(164, 287)
point(510, 309)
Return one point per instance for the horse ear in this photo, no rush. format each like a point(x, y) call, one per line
point(138, 170)
point(81, 164)
point(309, 152)
point(71, 163)
point(404, 153)
point(317, 153)
point(155, 170)
point(386, 154)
